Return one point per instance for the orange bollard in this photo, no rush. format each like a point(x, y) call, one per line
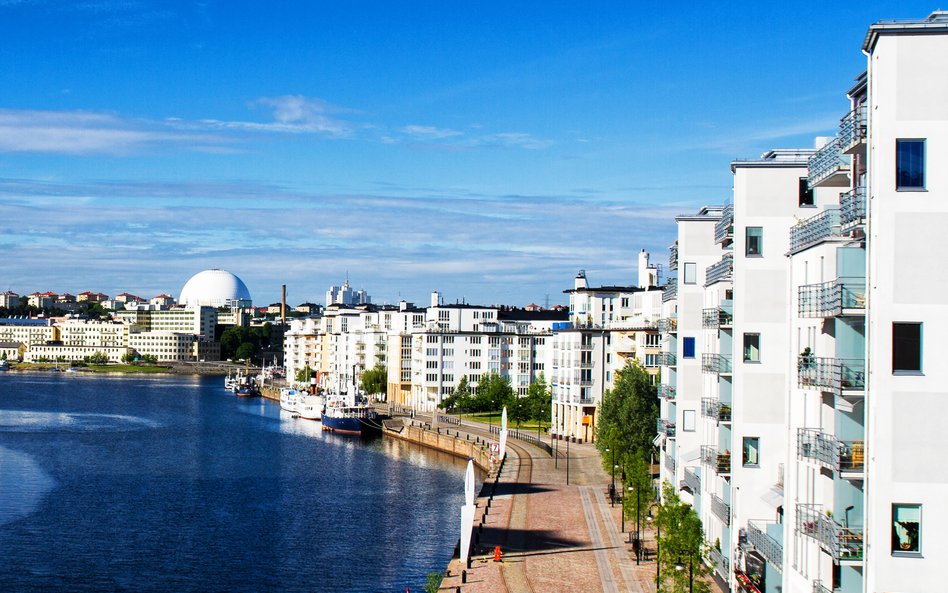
point(497, 554)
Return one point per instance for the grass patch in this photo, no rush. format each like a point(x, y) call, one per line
point(494, 419)
point(126, 368)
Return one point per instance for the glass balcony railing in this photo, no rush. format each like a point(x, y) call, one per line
point(844, 544)
point(829, 166)
point(721, 564)
point(668, 359)
point(692, 480)
point(815, 229)
point(721, 509)
point(666, 391)
point(724, 227)
point(829, 299)
point(818, 587)
point(720, 271)
point(770, 548)
point(670, 292)
point(667, 325)
point(852, 206)
point(670, 463)
point(716, 363)
point(721, 462)
point(715, 318)
point(852, 129)
point(714, 409)
point(834, 375)
point(673, 257)
point(665, 427)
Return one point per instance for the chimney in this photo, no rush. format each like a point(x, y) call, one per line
point(435, 298)
point(580, 281)
point(283, 306)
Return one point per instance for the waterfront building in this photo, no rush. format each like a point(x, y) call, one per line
point(167, 346)
point(12, 350)
point(93, 334)
point(199, 321)
point(9, 299)
point(62, 353)
point(28, 331)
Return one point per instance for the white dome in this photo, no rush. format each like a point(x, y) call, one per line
point(214, 288)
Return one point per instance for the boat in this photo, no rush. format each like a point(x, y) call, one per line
point(310, 407)
point(289, 399)
point(72, 370)
point(247, 390)
point(4, 365)
point(344, 415)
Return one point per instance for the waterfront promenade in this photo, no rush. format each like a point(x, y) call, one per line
point(554, 537)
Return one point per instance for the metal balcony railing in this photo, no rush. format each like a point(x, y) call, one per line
point(721, 462)
point(815, 229)
point(833, 375)
point(851, 457)
point(828, 164)
point(670, 463)
point(720, 562)
point(667, 325)
point(852, 129)
point(668, 359)
point(715, 409)
point(724, 227)
point(819, 588)
point(666, 391)
point(716, 363)
point(828, 299)
point(843, 543)
point(716, 317)
point(816, 445)
point(673, 257)
point(665, 427)
point(692, 480)
point(670, 292)
point(852, 206)
point(770, 548)
point(720, 271)
point(721, 509)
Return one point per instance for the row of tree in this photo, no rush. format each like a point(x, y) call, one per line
point(625, 434)
point(493, 392)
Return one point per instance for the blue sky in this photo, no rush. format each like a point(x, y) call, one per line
point(487, 150)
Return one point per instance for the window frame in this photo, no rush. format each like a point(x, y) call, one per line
point(684, 420)
point(760, 242)
point(744, 348)
point(805, 197)
point(900, 552)
point(908, 371)
point(922, 142)
point(694, 276)
point(744, 442)
point(684, 350)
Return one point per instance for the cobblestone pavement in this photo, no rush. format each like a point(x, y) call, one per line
point(554, 537)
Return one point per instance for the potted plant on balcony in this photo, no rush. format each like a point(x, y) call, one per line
point(806, 359)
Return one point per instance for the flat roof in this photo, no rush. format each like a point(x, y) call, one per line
point(935, 23)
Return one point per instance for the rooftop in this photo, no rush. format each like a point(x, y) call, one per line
point(935, 23)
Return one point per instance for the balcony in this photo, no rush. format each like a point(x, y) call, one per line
point(770, 548)
point(815, 229)
point(720, 271)
point(667, 325)
point(670, 463)
point(848, 458)
point(851, 459)
point(666, 391)
point(818, 587)
point(721, 509)
point(692, 480)
point(852, 206)
point(665, 427)
point(843, 296)
point(829, 167)
point(716, 363)
point(721, 564)
point(833, 375)
point(715, 318)
point(668, 359)
point(844, 544)
point(714, 409)
point(673, 257)
point(721, 462)
point(852, 131)
point(724, 227)
point(670, 292)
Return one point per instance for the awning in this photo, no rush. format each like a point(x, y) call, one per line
point(773, 496)
point(659, 440)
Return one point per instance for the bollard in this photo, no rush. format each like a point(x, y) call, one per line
point(458, 589)
point(469, 560)
point(464, 577)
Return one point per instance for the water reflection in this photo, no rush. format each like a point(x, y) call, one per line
point(24, 483)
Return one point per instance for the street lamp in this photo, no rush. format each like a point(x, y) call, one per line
point(567, 457)
point(658, 535)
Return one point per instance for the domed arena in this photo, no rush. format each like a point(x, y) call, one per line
point(215, 288)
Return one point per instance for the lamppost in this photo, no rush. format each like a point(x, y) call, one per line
point(614, 494)
point(680, 566)
point(658, 535)
point(567, 457)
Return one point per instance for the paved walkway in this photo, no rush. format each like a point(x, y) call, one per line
point(554, 537)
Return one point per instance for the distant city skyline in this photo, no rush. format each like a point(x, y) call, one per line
point(488, 152)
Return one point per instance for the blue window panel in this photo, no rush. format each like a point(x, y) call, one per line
point(688, 348)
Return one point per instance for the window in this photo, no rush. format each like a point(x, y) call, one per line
point(906, 529)
point(691, 272)
point(906, 347)
point(806, 194)
point(688, 348)
point(688, 420)
point(755, 241)
point(909, 164)
point(751, 451)
point(751, 347)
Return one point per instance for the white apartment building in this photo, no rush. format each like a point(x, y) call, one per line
point(200, 321)
point(28, 331)
point(9, 299)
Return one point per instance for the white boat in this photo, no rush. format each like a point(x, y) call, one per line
point(290, 399)
point(4, 365)
point(310, 406)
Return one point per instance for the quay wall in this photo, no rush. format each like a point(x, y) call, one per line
point(441, 439)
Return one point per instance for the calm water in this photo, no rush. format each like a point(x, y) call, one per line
point(174, 485)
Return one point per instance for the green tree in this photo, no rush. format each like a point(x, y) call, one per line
point(245, 351)
point(434, 582)
point(304, 375)
point(540, 401)
point(128, 357)
point(493, 392)
point(375, 380)
point(682, 549)
point(638, 493)
point(459, 398)
point(627, 415)
point(150, 359)
point(518, 408)
point(98, 357)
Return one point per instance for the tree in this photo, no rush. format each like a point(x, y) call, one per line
point(150, 359)
point(375, 380)
point(627, 414)
point(459, 398)
point(434, 582)
point(98, 357)
point(518, 409)
point(304, 375)
point(682, 549)
point(638, 477)
point(245, 351)
point(493, 391)
point(539, 401)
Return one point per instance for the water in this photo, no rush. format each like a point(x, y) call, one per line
point(171, 484)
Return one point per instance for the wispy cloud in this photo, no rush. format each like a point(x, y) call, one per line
point(430, 132)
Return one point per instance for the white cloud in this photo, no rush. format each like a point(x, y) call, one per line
point(430, 132)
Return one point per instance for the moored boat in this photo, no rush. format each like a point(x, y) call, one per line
point(289, 399)
point(348, 417)
point(310, 407)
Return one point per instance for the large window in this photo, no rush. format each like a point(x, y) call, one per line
point(755, 241)
point(806, 194)
point(688, 348)
point(906, 529)
point(688, 420)
point(751, 347)
point(910, 164)
point(751, 451)
point(691, 272)
point(906, 347)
